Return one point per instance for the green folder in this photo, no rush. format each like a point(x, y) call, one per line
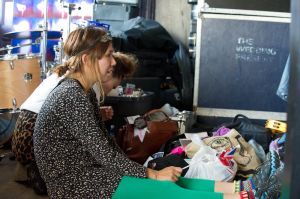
point(137, 188)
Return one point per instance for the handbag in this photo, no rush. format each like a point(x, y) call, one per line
point(244, 155)
point(160, 129)
point(248, 130)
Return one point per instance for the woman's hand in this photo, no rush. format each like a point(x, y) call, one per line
point(168, 173)
point(107, 112)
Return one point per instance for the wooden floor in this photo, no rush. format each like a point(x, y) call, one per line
point(9, 189)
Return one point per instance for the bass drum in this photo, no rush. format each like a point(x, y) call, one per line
point(19, 76)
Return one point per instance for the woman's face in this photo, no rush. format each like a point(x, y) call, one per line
point(106, 64)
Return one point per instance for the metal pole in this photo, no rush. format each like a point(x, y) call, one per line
point(69, 19)
point(290, 188)
point(71, 7)
point(44, 39)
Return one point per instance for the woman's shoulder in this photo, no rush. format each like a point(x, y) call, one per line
point(69, 85)
point(66, 95)
point(67, 90)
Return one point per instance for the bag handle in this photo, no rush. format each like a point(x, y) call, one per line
point(154, 111)
point(245, 118)
point(141, 122)
point(147, 115)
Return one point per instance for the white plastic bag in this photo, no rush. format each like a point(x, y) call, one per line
point(206, 165)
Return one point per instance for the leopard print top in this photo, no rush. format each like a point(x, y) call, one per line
point(22, 145)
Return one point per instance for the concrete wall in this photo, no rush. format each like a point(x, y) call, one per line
point(174, 16)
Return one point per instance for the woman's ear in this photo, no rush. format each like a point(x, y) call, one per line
point(84, 58)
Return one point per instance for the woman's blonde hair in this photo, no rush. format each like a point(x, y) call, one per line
point(93, 42)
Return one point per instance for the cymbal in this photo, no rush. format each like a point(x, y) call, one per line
point(18, 46)
point(32, 34)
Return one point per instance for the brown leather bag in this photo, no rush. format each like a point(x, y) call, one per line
point(161, 128)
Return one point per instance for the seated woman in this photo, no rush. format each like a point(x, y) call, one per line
point(126, 65)
point(74, 154)
point(73, 151)
point(22, 145)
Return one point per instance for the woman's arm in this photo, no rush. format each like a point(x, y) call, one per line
point(86, 129)
point(168, 173)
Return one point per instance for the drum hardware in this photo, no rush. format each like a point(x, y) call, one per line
point(70, 7)
point(44, 37)
point(2, 49)
point(14, 104)
point(32, 34)
point(11, 64)
point(27, 77)
point(59, 55)
point(9, 48)
point(9, 57)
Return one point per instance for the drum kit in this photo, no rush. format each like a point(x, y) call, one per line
point(20, 74)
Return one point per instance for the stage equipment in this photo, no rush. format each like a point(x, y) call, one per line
point(20, 75)
point(32, 34)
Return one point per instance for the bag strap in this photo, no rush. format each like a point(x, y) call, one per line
point(154, 111)
point(244, 118)
point(147, 118)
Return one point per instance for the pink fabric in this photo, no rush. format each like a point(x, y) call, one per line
point(221, 131)
point(274, 145)
point(178, 150)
